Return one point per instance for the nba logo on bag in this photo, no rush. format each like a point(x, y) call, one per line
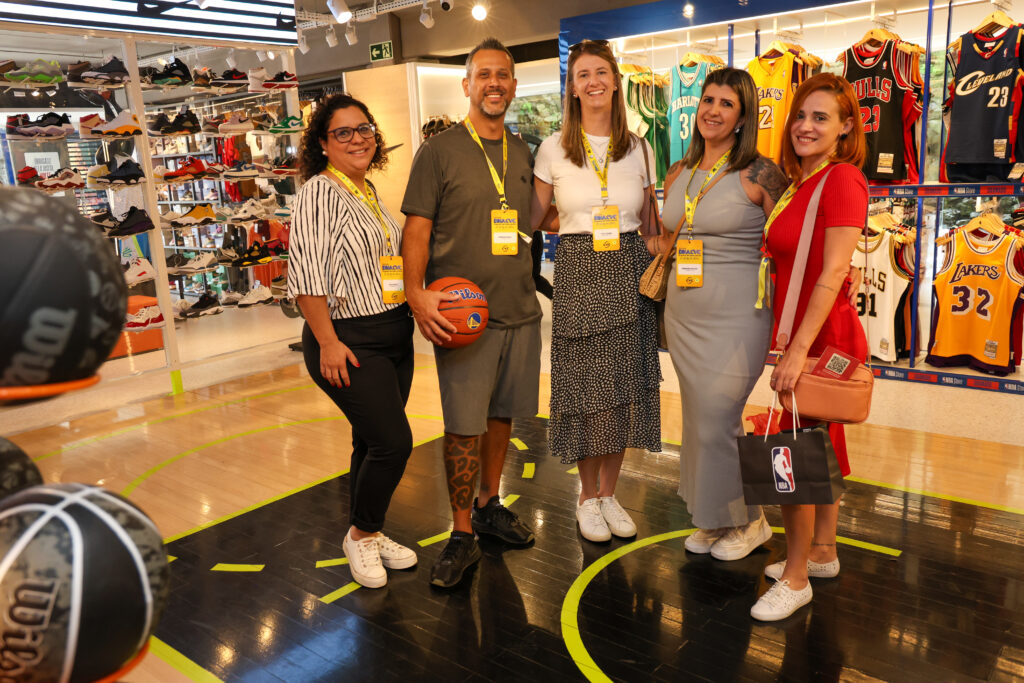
point(782, 465)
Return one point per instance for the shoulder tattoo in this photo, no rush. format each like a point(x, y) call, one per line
point(768, 175)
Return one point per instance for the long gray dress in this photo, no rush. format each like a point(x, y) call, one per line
point(718, 342)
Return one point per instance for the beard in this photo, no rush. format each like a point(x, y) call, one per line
point(493, 111)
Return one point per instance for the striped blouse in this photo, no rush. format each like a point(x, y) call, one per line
point(334, 246)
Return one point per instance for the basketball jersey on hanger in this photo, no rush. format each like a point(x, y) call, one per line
point(774, 79)
point(978, 291)
point(878, 302)
point(687, 83)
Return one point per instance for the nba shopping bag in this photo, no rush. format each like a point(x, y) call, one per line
point(797, 467)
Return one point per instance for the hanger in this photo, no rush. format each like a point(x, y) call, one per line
point(694, 58)
point(986, 222)
point(988, 25)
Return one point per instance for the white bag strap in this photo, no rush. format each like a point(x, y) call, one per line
point(771, 413)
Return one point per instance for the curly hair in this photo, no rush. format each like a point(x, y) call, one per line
point(312, 158)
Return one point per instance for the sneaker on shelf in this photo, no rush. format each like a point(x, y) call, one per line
point(237, 124)
point(206, 305)
point(461, 553)
point(16, 121)
point(227, 256)
point(780, 601)
point(287, 125)
point(592, 523)
point(279, 284)
point(257, 255)
point(87, 123)
point(215, 170)
point(103, 219)
point(619, 521)
point(28, 176)
point(364, 561)
point(257, 77)
point(211, 126)
point(287, 166)
point(5, 66)
point(241, 171)
point(260, 294)
point(250, 211)
point(739, 542)
point(158, 125)
point(125, 124)
point(167, 219)
point(175, 73)
point(200, 214)
point(37, 71)
point(175, 261)
point(222, 214)
point(231, 77)
point(50, 125)
point(816, 570)
point(263, 121)
point(264, 170)
point(111, 71)
point(127, 173)
point(140, 270)
point(146, 74)
point(160, 174)
point(75, 71)
point(203, 261)
point(192, 169)
point(181, 309)
point(146, 318)
point(202, 77)
point(230, 298)
point(98, 176)
point(134, 222)
point(282, 79)
point(269, 205)
point(184, 124)
point(494, 519)
point(63, 179)
point(277, 249)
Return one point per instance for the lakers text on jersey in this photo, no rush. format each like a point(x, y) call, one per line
point(774, 81)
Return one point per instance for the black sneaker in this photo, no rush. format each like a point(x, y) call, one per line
point(127, 173)
point(206, 305)
point(176, 73)
point(134, 222)
point(146, 73)
point(184, 124)
point(494, 519)
point(111, 71)
point(232, 77)
point(175, 261)
point(461, 552)
point(103, 219)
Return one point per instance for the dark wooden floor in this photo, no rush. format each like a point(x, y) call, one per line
point(948, 608)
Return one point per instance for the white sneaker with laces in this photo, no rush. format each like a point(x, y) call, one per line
point(364, 561)
point(259, 294)
point(200, 262)
point(780, 601)
point(740, 541)
point(619, 521)
point(394, 555)
point(817, 570)
point(140, 270)
point(592, 523)
point(701, 540)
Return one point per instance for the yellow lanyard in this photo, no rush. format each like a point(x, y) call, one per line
point(691, 204)
point(499, 183)
point(602, 173)
point(780, 206)
point(369, 199)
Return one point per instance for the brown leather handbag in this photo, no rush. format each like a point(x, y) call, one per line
point(820, 398)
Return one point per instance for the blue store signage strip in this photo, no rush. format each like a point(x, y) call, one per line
point(267, 21)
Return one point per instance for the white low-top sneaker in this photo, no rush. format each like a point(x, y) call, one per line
point(780, 601)
point(701, 540)
point(140, 270)
point(740, 541)
point(394, 555)
point(619, 521)
point(817, 570)
point(592, 523)
point(364, 561)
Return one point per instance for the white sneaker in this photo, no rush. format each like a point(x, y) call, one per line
point(742, 540)
point(230, 299)
point(257, 77)
point(818, 570)
point(140, 270)
point(592, 523)
point(619, 521)
point(236, 123)
point(250, 211)
point(701, 540)
point(780, 601)
point(86, 124)
point(125, 124)
point(167, 219)
point(364, 561)
point(203, 261)
point(260, 294)
point(394, 555)
point(181, 309)
point(144, 319)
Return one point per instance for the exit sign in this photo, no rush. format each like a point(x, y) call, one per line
point(381, 51)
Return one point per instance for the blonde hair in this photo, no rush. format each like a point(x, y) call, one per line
point(572, 116)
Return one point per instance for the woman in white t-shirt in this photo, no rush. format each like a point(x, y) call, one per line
point(604, 353)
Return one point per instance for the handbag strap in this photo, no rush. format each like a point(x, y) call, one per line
point(652, 202)
point(799, 266)
point(682, 221)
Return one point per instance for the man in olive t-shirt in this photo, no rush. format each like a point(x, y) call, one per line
point(448, 202)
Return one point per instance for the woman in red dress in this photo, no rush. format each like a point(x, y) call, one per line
point(824, 135)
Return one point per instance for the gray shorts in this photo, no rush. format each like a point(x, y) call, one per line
point(497, 376)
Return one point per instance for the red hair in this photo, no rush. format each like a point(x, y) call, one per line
point(851, 149)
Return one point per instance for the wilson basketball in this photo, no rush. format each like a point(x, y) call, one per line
point(468, 314)
point(17, 471)
point(62, 292)
point(83, 580)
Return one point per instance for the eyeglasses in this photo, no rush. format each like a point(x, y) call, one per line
point(599, 43)
point(344, 134)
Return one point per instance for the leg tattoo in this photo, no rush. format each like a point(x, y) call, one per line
point(462, 464)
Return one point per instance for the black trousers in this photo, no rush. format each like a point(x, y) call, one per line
point(374, 403)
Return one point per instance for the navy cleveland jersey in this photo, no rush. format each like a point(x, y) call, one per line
point(888, 107)
point(985, 99)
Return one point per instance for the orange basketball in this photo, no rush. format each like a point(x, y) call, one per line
point(468, 314)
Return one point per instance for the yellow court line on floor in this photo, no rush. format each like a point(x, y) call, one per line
point(574, 470)
point(508, 500)
point(543, 415)
point(434, 539)
point(180, 662)
point(340, 593)
point(226, 567)
point(171, 558)
point(518, 443)
point(177, 385)
point(331, 563)
point(528, 469)
point(942, 496)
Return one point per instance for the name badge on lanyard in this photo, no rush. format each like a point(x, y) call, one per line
point(504, 232)
point(690, 263)
point(392, 279)
point(604, 221)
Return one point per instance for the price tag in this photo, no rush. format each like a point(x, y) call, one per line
point(604, 221)
point(1016, 172)
point(690, 263)
point(392, 280)
point(504, 232)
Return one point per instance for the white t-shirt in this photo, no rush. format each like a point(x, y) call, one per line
point(578, 190)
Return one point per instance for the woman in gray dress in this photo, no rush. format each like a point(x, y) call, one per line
point(717, 339)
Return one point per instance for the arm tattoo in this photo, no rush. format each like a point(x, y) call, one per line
point(462, 464)
point(831, 289)
point(764, 172)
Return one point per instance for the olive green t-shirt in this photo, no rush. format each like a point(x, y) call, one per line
point(451, 185)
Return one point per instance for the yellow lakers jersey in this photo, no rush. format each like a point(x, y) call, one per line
point(774, 80)
point(977, 292)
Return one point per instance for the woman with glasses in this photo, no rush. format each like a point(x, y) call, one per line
point(605, 372)
point(345, 273)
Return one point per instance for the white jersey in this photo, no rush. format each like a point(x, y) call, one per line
point(879, 298)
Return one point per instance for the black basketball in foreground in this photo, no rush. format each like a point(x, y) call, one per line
point(83, 580)
point(62, 292)
point(17, 472)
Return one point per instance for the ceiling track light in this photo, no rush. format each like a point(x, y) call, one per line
point(427, 15)
point(203, 4)
point(350, 34)
point(303, 43)
point(340, 10)
point(232, 62)
point(332, 37)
